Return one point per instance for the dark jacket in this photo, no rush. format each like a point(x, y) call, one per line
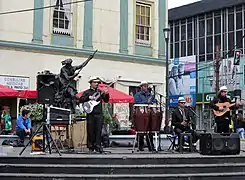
point(97, 109)
point(177, 118)
point(220, 99)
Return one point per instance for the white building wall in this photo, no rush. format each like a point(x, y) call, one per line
point(106, 25)
point(16, 26)
point(131, 24)
point(22, 63)
point(47, 21)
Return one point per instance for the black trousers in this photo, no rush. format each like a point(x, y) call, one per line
point(94, 128)
point(180, 130)
point(150, 144)
point(22, 134)
point(223, 126)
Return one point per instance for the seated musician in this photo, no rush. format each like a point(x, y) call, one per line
point(222, 122)
point(181, 120)
point(144, 97)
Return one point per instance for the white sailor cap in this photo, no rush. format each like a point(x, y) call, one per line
point(143, 83)
point(93, 78)
point(223, 88)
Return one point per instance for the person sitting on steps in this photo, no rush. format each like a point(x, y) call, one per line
point(23, 126)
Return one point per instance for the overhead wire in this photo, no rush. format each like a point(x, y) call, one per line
point(38, 8)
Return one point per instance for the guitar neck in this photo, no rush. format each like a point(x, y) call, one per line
point(109, 85)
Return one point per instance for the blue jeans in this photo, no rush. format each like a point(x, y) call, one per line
point(240, 131)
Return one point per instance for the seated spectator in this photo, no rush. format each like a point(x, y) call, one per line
point(7, 122)
point(23, 126)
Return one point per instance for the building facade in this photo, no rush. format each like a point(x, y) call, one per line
point(210, 29)
point(127, 33)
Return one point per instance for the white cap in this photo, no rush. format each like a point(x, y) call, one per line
point(181, 99)
point(223, 88)
point(93, 78)
point(143, 83)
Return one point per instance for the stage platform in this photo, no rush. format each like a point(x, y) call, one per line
point(120, 164)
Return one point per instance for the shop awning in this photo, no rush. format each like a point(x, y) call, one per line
point(5, 91)
point(28, 94)
point(115, 95)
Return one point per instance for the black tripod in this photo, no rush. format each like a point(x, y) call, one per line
point(46, 136)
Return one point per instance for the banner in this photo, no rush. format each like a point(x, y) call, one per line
point(15, 82)
point(182, 80)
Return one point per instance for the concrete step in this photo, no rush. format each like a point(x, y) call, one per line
point(203, 176)
point(122, 169)
point(126, 159)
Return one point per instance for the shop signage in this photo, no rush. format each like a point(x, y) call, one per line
point(15, 82)
point(209, 97)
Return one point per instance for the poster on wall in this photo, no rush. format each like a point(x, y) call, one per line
point(229, 74)
point(15, 82)
point(182, 80)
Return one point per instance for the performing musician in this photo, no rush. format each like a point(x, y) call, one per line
point(222, 122)
point(144, 97)
point(95, 118)
point(181, 120)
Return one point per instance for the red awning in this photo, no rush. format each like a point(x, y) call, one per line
point(28, 94)
point(115, 95)
point(5, 91)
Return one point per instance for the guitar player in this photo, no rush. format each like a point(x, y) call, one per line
point(94, 119)
point(222, 122)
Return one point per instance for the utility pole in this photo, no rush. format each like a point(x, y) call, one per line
point(217, 66)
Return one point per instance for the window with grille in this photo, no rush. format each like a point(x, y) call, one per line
point(143, 23)
point(62, 17)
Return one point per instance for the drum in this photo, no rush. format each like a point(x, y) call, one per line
point(141, 117)
point(155, 117)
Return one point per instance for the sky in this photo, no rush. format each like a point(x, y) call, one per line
point(177, 3)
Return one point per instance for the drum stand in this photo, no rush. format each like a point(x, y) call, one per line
point(137, 138)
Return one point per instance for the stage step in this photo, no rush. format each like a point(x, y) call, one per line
point(202, 176)
point(123, 166)
point(122, 169)
point(125, 159)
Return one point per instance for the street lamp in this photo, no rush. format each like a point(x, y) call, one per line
point(166, 32)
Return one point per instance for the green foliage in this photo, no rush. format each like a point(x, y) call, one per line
point(106, 115)
point(36, 111)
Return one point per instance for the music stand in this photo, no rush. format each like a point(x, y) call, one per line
point(46, 135)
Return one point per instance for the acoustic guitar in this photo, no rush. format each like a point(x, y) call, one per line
point(226, 107)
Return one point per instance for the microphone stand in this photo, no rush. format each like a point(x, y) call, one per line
point(161, 106)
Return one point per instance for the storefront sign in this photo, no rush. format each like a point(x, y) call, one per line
point(15, 82)
point(209, 97)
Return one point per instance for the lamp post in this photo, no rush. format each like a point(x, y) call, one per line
point(166, 32)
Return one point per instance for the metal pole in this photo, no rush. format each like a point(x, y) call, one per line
point(217, 66)
point(167, 98)
point(203, 106)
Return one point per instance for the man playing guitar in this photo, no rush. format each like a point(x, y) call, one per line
point(94, 119)
point(223, 121)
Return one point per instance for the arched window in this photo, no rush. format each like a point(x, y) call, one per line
point(62, 17)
